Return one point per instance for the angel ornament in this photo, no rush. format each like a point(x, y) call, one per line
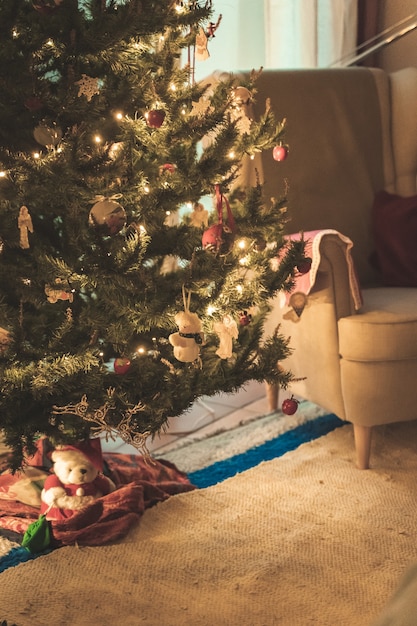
point(24, 222)
point(199, 217)
point(201, 50)
point(227, 331)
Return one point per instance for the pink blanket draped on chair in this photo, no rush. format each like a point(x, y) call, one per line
point(305, 282)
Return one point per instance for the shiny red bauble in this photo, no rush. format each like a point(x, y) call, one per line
point(121, 365)
point(245, 318)
point(33, 103)
point(155, 118)
point(289, 406)
point(167, 168)
point(218, 239)
point(304, 266)
point(280, 153)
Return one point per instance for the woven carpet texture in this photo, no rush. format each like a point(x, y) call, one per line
point(299, 540)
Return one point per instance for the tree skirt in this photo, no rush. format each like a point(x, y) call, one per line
point(140, 483)
point(303, 539)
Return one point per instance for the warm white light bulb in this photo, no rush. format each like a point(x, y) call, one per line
point(118, 115)
point(97, 139)
point(36, 155)
point(241, 244)
point(239, 288)
point(211, 309)
point(2, 174)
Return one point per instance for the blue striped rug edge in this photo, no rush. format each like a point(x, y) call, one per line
point(271, 449)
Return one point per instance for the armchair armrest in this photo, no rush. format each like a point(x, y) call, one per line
point(333, 276)
point(313, 332)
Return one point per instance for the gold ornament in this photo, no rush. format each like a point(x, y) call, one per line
point(48, 136)
point(107, 216)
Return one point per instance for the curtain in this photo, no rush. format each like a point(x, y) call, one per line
point(309, 33)
point(280, 34)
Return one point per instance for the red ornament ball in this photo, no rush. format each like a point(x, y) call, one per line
point(218, 238)
point(245, 318)
point(304, 266)
point(289, 406)
point(33, 103)
point(46, 7)
point(155, 118)
point(168, 168)
point(121, 365)
point(280, 153)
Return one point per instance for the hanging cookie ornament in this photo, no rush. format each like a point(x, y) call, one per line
point(60, 290)
point(5, 340)
point(189, 338)
point(219, 238)
point(107, 216)
point(87, 86)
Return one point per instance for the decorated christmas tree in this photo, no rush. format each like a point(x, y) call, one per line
point(135, 269)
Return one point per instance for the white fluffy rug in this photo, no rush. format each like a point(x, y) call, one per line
point(304, 539)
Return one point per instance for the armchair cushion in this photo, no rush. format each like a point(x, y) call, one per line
point(384, 329)
point(394, 224)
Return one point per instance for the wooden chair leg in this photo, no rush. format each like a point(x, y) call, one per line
point(272, 396)
point(362, 436)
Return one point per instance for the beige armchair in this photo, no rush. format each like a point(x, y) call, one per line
point(351, 133)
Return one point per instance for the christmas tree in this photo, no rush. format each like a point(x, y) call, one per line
point(136, 272)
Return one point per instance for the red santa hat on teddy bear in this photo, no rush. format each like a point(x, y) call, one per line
point(90, 448)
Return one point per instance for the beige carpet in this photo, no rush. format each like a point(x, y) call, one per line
point(305, 539)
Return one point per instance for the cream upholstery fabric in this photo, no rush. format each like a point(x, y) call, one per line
point(351, 132)
point(385, 330)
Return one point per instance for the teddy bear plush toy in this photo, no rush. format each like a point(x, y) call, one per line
point(188, 339)
point(76, 481)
